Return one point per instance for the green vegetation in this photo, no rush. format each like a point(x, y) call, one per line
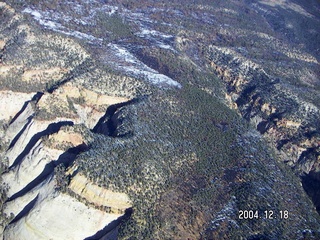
point(189, 156)
point(176, 133)
point(112, 27)
point(4, 219)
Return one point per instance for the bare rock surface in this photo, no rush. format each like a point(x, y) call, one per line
point(159, 120)
point(65, 217)
point(45, 132)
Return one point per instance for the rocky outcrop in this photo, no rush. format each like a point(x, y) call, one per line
point(81, 137)
point(116, 202)
point(55, 215)
point(47, 123)
point(82, 105)
point(54, 97)
point(290, 123)
point(11, 103)
point(43, 75)
point(41, 148)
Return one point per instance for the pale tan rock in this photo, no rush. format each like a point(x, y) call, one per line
point(42, 222)
point(265, 108)
point(31, 129)
point(288, 124)
point(230, 101)
point(30, 37)
point(44, 75)
point(15, 206)
point(2, 44)
point(32, 165)
point(88, 115)
point(240, 81)
point(7, 8)
point(90, 97)
point(293, 124)
point(63, 137)
point(57, 216)
point(12, 102)
point(80, 104)
point(20, 122)
point(6, 69)
point(61, 217)
point(98, 195)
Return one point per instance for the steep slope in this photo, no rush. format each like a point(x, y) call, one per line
point(45, 133)
point(114, 115)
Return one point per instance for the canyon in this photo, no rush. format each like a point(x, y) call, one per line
point(157, 120)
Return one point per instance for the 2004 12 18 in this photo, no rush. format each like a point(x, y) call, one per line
point(267, 214)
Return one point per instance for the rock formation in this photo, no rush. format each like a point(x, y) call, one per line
point(40, 151)
point(157, 120)
point(47, 198)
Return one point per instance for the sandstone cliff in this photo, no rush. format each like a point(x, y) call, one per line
point(113, 118)
point(39, 152)
point(44, 133)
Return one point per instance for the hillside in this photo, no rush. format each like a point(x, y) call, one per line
point(160, 120)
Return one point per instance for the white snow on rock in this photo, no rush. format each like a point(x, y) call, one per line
point(158, 38)
point(145, 32)
point(123, 60)
point(226, 214)
point(116, 56)
point(43, 20)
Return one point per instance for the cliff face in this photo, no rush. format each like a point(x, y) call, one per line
point(292, 131)
point(288, 120)
point(45, 132)
point(39, 153)
point(276, 110)
point(277, 88)
point(157, 120)
point(271, 74)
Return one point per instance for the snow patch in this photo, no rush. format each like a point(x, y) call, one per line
point(158, 38)
point(154, 33)
point(228, 213)
point(165, 46)
point(34, 13)
point(123, 60)
point(57, 27)
point(119, 57)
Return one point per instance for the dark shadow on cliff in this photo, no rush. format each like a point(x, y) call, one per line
point(107, 124)
point(15, 139)
point(110, 231)
point(35, 98)
point(52, 128)
point(311, 185)
point(66, 158)
point(25, 210)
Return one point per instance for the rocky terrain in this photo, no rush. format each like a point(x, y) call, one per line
point(157, 120)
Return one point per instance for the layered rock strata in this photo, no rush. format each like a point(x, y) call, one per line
point(39, 186)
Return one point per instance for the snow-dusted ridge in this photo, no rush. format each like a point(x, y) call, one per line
point(57, 27)
point(154, 33)
point(115, 55)
point(125, 61)
point(158, 38)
